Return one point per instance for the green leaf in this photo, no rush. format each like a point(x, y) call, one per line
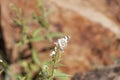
point(19, 43)
point(25, 29)
point(36, 32)
point(35, 56)
point(64, 78)
point(60, 74)
point(38, 3)
point(25, 64)
point(17, 22)
point(3, 64)
point(44, 23)
point(56, 35)
point(51, 36)
point(25, 39)
point(59, 64)
point(50, 63)
point(13, 7)
point(34, 67)
point(38, 38)
point(1, 70)
point(21, 78)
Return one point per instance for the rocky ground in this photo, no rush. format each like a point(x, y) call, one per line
point(94, 28)
point(109, 73)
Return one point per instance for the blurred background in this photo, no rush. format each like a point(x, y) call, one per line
point(94, 28)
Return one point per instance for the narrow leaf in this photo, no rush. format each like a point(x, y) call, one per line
point(35, 56)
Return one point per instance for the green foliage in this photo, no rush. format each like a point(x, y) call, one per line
point(60, 74)
point(21, 78)
point(1, 70)
point(42, 18)
point(35, 57)
point(43, 70)
point(3, 64)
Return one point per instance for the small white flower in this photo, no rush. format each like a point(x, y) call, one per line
point(62, 43)
point(52, 53)
point(45, 67)
point(1, 60)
